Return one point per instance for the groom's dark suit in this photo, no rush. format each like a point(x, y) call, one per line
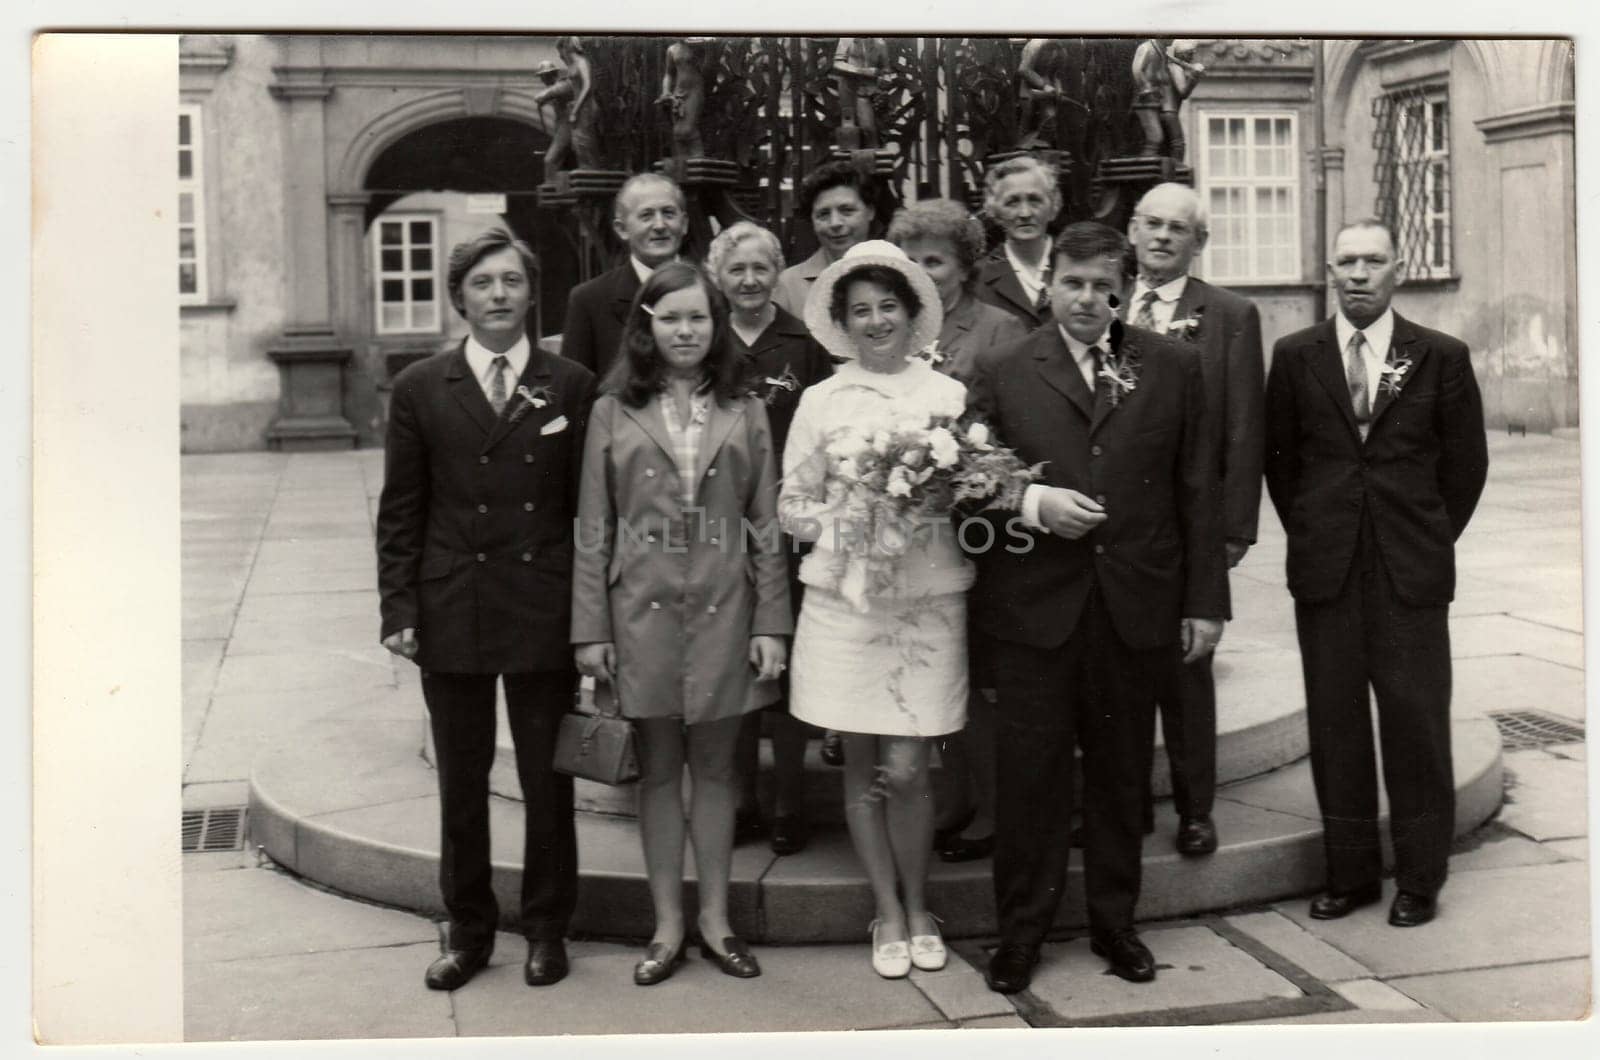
point(1081, 627)
point(1372, 525)
point(474, 535)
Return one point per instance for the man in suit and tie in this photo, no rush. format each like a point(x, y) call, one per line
point(474, 536)
point(1023, 197)
point(1375, 461)
point(1167, 230)
point(1126, 560)
point(651, 217)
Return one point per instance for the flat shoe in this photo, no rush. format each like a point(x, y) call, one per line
point(927, 951)
point(892, 960)
point(735, 960)
point(660, 961)
point(1130, 958)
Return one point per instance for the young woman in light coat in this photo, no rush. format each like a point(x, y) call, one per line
point(680, 590)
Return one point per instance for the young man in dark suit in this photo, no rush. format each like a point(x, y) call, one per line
point(651, 217)
point(1124, 560)
point(1168, 229)
point(1375, 461)
point(474, 536)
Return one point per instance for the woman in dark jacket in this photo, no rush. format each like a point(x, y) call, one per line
point(781, 359)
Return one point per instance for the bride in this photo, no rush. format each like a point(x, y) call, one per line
point(882, 661)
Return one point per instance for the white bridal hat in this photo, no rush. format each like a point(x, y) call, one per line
point(924, 326)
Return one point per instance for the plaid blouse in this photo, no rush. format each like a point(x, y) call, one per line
point(686, 438)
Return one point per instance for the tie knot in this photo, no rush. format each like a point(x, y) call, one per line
point(1357, 340)
point(1099, 356)
point(500, 361)
point(1149, 297)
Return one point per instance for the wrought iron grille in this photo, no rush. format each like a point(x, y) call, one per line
point(1412, 137)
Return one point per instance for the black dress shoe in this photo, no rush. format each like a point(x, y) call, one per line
point(832, 748)
point(942, 836)
point(546, 963)
point(1011, 968)
point(660, 961)
point(747, 827)
point(958, 849)
point(1333, 906)
point(789, 833)
point(735, 960)
point(1130, 958)
point(1410, 909)
point(456, 967)
point(1196, 836)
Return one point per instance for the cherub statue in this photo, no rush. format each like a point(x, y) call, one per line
point(683, 90)
point(1043, 71)
point(1163, 76)
point(581, 111)
point(558, 90)
point(861, 68)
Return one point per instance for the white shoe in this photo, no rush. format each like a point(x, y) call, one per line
point(927, 951)
point(892, 960)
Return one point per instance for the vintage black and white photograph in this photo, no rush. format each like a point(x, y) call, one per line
point(725, 533)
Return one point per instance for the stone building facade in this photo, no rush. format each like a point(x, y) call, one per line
point(322, 179)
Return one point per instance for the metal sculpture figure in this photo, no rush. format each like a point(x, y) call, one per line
point(1043, 72)
point(861, 69)
point(559, 92)
point(581, 111)
point(1163, 77)
point(683, 91)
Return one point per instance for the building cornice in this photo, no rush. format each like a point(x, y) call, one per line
point(1542, 119)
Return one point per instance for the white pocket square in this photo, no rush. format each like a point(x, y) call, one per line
point(555, 426)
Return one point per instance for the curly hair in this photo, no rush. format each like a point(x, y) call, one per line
point(728, 241)
point(942, 219)
point(1021, 164)
point(639, 372)
point(839, 174)
point(883, 276)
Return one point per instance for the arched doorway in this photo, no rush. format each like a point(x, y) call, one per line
point(425, 192)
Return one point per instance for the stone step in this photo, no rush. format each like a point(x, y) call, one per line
point(1260, 726)
point(354, 808)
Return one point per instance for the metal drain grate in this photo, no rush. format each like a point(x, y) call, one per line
point(1521, 729)
point(207, 831)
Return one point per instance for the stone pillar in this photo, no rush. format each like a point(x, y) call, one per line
point(1332, 161)
point(311, 358)
point(1535, 245)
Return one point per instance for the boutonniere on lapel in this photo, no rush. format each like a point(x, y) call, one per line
point(787, 382)
point(536, 398)
point(1121, 373)
point(1187, 329)
point(931, 353)
point(1393, 376)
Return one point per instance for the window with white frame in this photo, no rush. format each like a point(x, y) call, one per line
point(191, 206)
point(1250, 179)
point(405, 270)
point(1412, 136)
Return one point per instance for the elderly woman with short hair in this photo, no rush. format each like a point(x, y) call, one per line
point(780, 360)
point(948, 242)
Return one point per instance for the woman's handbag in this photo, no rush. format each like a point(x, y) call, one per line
point(597, 744)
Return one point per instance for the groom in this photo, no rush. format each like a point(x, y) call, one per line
point(1127, 558)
